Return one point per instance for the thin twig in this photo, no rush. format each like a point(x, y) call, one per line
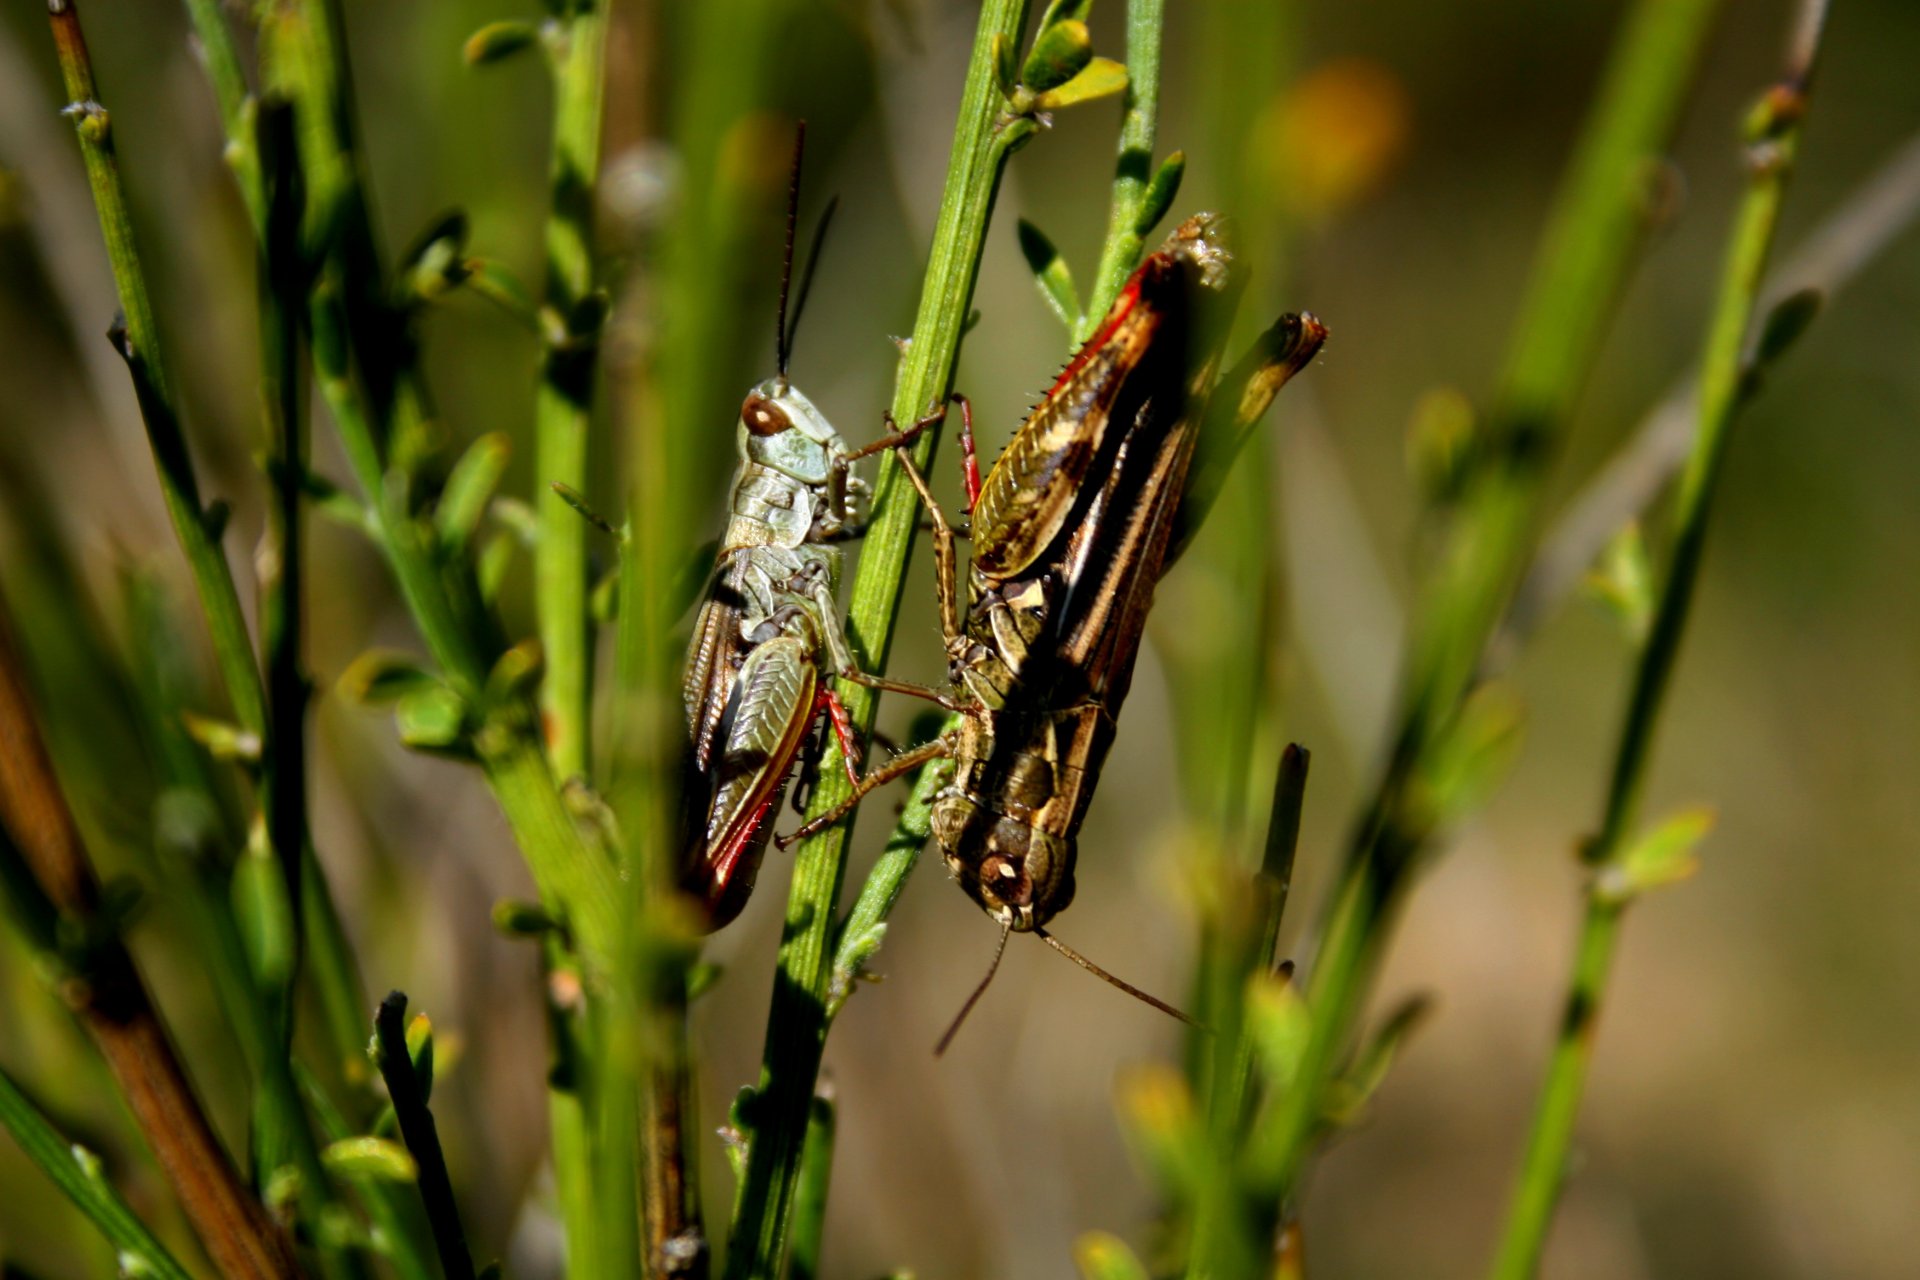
point(111, 1000)
point(1772, 141)
point(1864, 224)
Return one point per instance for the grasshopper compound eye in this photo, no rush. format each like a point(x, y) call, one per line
point(763, 417)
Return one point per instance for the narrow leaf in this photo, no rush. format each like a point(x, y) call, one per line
point(1160, 194)
point(498, 41)
point(370, 1159)
point(470, 487)
point(1051, 273)
point(1101, 78)
point(1059, 53)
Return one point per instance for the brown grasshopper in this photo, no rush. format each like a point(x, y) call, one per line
point(768, 634)
point(1071, 531)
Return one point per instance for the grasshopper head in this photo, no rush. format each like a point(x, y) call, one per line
point(1022, 878)
point(780, 429)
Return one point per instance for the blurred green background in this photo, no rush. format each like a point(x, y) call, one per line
point(1754, 1110)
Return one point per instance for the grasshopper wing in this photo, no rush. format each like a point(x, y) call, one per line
point(758, 737)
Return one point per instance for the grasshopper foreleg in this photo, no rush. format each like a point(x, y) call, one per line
point(899, 766)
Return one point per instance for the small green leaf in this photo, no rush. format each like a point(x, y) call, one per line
point(514, 671)
point(522, 919)
point(380, 677)
point(469, 488)
point(420, 1052)
point(1106, 1257)
point(1348, 1096)
point(263, 912)
point(1623, 581)
point(221, 740)
point(498, 41)
point(1065, 11)
point(1157, 1108)
point(335, 503)
point(572, 497)
point(436, 261)
point(1665, 855)
point(1440, 444)
point(1160, 193)
point(1101, 78)
point(433, 719)
point(1051, 273)
point(1060, 52)
point(369, 1159)
point(1473, 754)
point(496, 557)
point(1279, 1027)
point(494, 282)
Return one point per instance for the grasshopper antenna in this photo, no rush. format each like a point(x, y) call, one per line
point(784, 329)
point(953, 1028)
point(1104, 976)
point(780, 351)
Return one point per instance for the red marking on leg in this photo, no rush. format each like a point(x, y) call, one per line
point(969, 458)
point(842, 728)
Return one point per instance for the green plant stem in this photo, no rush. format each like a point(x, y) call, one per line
point(327, 959)
point(77, 1172)
point(563, 404)
point(421, 1136)
point(193, 525)
point(1773, 139)
point(1578, 276)
point(796, 1017)
point(1120, 253)
point(865, 925)
point(810, 1200)
point(562, 418)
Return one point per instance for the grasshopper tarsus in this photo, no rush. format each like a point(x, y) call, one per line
point(899, 766)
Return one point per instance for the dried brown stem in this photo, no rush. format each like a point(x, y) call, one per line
point(109, 997)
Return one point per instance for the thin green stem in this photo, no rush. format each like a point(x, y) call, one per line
point(139, 343)
point(1120, 253)
point(1772, 142)
point(865, 926)
point(562, 419)
point(327, 959)
point(796, 1018)
point(810, 1200)
point(563, 406)
point(78, 1173)
point(1578, 276)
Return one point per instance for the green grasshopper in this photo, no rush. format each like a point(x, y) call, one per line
point(1094, 497)
point(768, 633)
